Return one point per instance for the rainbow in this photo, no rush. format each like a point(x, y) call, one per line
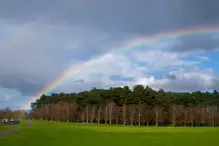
point(119, 49)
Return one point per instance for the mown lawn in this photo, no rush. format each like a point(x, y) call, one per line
point(68, 134)
point(3, 127)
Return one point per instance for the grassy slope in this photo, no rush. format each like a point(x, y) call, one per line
point(68, 134)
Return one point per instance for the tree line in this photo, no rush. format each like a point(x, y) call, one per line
point(137, 106)
point(8, 113)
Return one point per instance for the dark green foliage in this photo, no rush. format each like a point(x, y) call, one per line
point(139, 94)
point(138, 106)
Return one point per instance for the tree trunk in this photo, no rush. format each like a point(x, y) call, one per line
point(139, 116)
point(106, 114)
point(185, 116)
point(98, 115)
point(67, 113)
point(156, 117)
point(192, 118)
point(87, 117)
point(83, 117)
point(124, 114)
point(174, 115)
point(93, 112)
point(132, 115)
point(117, 115)
point(58, 115)
point(110, 112)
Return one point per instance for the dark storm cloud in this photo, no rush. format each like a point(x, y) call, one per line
point(114, 17)
point(201, 11)
point(197, 43)
point(79, 81)
point(170, 76)
point(136, 16)
point(25, 9)
point(20, 82)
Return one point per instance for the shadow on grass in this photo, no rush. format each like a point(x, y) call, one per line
point(9, 132)
point(13, 128)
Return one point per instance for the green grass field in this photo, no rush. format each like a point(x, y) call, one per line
point(3, 128)
point(68, 134)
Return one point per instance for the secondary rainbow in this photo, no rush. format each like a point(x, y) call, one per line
point(124, 47)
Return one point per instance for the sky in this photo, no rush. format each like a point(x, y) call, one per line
point(40, 39)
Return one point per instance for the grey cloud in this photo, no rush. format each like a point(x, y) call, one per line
point(202, 11)
point(21, 82)
point(40, 38)
point(79, 81)
point(171, 76)
point(139, 16)
point(192, 80)
point(204, 58)
point(33, 55)
point(197, 43)
point(101, 83)
point(26, 10)
point(12, 98)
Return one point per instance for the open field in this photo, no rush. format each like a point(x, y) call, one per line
point(3, 127)
point(68, 134)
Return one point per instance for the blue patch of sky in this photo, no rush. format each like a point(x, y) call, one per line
point(119, 78)
point(213, 61)
point(160, 74)
point(192, 59)
point(142, 64)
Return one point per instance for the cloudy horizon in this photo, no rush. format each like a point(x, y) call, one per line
point(40, 39)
